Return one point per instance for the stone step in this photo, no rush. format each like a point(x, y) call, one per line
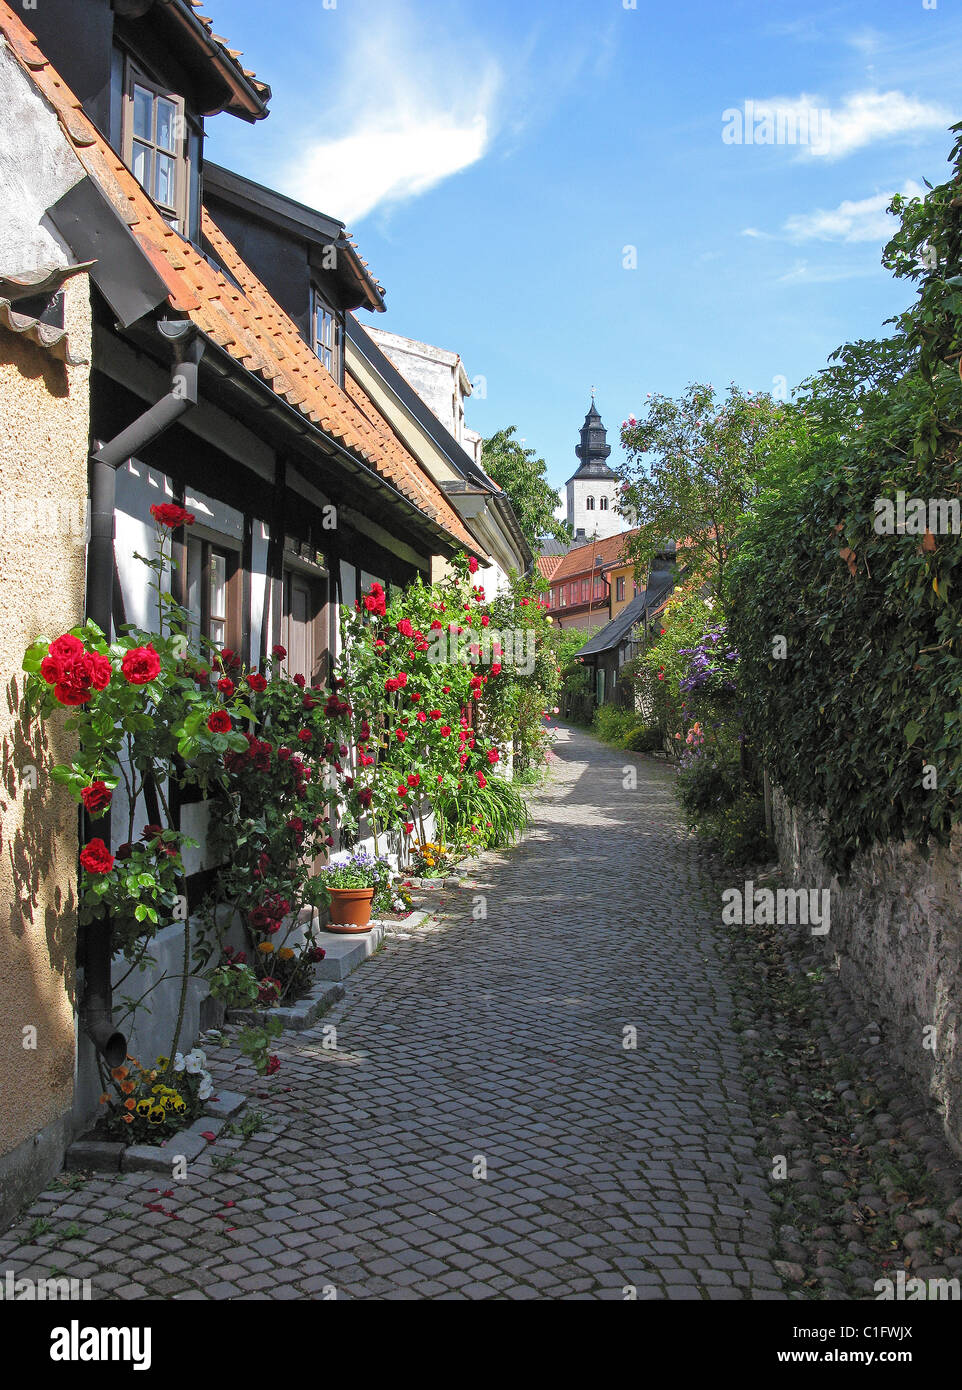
point(346, 951)
point(302, 1014)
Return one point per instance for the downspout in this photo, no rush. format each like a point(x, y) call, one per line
point(97, 1004)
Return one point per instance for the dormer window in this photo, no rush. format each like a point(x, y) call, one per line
point(327, 330)
point(154, 144)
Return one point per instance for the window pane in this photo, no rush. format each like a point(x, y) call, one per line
point(143, 112)
point(218, 586)
point(217, 633)
point(166, 124)
point(166, 175)
point(141, 164)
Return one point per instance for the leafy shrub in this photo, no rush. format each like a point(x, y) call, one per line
point(614, 724)
point(737, 831)
point(643, 739)
point(705, 787)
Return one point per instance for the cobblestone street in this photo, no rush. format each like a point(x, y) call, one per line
point(480, 1129)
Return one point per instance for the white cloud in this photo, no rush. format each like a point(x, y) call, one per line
point(863, 220)
point(864, 118)
point(802, 273)
point(417, 112)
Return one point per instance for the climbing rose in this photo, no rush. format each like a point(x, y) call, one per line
point(404, 628)
point(140, 665)
point(169, 514)
point(219, 722)
point(482, 780)
point(299, 681)
point(96, 857)
point(226, 687)
point(493, 755)
point(304, 735)
point(66, 648)
point(375, 601)
point(445, 730)
point(496, 668)
point(256, 681)
point(279, 651)
point(413, 779)
point(472, 565)
point(96, 797)
point(408, 827)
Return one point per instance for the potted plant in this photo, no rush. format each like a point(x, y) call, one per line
point(350, 883)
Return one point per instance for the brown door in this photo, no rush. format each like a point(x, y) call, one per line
point(304, 603)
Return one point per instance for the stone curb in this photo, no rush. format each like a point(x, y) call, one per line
point(303, 1014)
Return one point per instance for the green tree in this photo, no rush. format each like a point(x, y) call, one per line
point(523, 476)
point(693, 469)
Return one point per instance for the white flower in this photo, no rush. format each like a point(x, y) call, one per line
point(206, 1088)
point(195, 1061)
point(179, 1061)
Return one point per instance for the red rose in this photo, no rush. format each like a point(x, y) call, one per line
point(472, 565)
point(445, 730)
point(96, 857)
point(279, 651)
point(482, 780)
point(96, 797)
point(493, 755)
point(125, 851)
point(304, 735)
point(74, 682)
point(226, 687)
point(496, 668)
point(219, 722)
point(408, 827)
point(256, 681)
point(140, 665)
point(402, 791)
point(364, 796)
point(413, 779)
point(485, 620)
point(66, 648)
point(404, 628)
point(100, 670)
point(169, 514)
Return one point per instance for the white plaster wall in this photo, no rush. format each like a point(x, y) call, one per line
point(595, 523)
point(37, 166)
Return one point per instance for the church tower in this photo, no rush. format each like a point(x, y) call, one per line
point(592, 491)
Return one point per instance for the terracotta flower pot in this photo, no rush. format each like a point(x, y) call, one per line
point(350, 909)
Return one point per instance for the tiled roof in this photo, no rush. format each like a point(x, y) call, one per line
point(400, 460)
point(232, 55)
point(547, 564)
point(16, 290)
point(246, 322)
point(584, 559)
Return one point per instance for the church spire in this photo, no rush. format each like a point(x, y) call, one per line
point(594, 447)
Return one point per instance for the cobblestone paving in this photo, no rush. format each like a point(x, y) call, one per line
point(480, 1130)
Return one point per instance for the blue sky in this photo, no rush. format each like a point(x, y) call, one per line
point(494, 161)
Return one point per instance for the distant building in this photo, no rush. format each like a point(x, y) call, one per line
point(593, 491)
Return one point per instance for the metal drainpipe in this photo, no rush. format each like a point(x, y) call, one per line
point(97, 1004)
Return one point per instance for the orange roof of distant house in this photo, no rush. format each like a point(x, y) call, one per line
point(246, 322)
point(547, 564)
point(584, 558)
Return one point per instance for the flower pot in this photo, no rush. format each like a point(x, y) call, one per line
point(350, 909)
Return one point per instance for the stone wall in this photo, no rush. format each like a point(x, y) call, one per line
point(43, 447)
point(896, 938)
